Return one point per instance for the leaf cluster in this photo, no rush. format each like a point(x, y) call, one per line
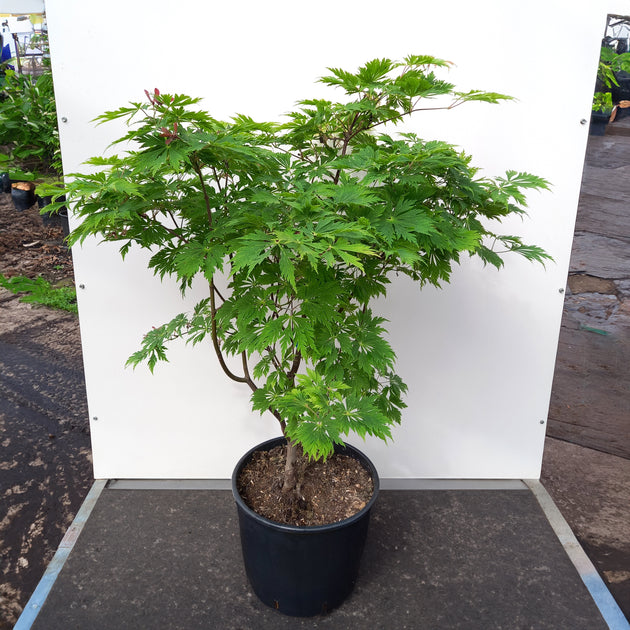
point(308, 219)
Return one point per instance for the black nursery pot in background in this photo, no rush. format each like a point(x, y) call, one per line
point(23, 195)
point(599, 121)
point(302, 571)
point(55, 219)
point(5, 183)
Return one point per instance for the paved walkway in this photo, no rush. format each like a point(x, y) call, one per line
point(590, 403)
point(45, 454)
point(586, 465)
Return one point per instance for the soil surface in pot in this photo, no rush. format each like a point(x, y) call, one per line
point(23, 186)
point(331, 490)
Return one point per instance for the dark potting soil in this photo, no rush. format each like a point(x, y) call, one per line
point(331, 490)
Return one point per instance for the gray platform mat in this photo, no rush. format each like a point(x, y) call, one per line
point(453, 559)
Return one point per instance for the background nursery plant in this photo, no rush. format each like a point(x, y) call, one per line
point(307, 219)
point(29, 138)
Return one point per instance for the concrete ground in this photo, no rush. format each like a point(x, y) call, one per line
point(590, 404)
point(592, 490)
point(45, 452)
point(586, 466)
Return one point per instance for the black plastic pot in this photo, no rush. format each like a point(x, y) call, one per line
point(42, 202)
point(621, 92)
point(302, 571)
point(599, 121)
point(56, 219)
point(5, 183)
point(23, 198)
point(63, 214)
point(49, 220)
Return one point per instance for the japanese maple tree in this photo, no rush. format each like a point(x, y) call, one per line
point(308, 219)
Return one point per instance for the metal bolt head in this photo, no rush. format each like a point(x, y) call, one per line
point(64, 119)
point(583, 121)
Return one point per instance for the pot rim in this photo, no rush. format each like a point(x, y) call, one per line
point(304, 529)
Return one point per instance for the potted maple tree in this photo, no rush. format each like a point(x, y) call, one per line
point(297, 226)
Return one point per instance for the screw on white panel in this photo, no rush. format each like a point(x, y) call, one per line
point(542, 422)
point(560, 290)
point(583, 121)
point(64, 119)
point(81, 286)
point(95, 418)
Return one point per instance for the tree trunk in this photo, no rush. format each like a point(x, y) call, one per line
point(291, 468)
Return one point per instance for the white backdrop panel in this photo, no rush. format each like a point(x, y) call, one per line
point(478, 356)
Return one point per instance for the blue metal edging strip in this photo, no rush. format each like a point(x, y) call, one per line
point(608, 607)
point(35, 603)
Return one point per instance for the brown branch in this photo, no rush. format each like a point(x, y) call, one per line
point(171, 231)
point(195, 164)
point(215, 339)
point(219, 294)
point(301, 155)
point(248, 378)
point(274, 357)
point(348, 135)
point(408, 113)
point(170, 214)
point(213, 292)
point(239, 379)
point(297, 359)
point(278, 417)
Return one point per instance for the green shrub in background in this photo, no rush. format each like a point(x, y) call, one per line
point(40, 291)
point(28, 127)
point(610, 64)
